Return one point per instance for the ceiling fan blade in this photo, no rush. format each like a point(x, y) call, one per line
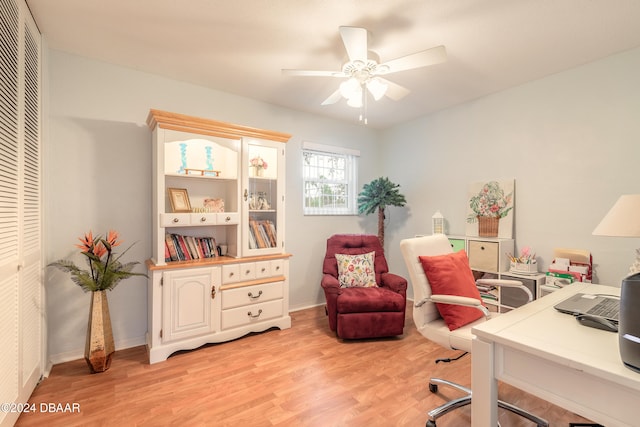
point(394, 90)
point(333, 98)
point(307, 73)
point(427, 57)
point(355, 42)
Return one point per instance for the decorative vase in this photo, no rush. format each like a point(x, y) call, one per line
point(260, 171)
point(488, 226)
point(100, 347)
point(253, 171)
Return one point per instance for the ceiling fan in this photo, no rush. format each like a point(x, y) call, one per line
point(364, 72)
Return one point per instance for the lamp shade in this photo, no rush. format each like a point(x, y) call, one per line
point(623, 219)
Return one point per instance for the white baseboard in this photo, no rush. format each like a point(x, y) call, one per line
point(304, 307)
point(76, 354)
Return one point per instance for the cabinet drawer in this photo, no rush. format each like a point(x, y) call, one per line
point(277, 267)
point(247, 270)
point(457, 244)
point(254, 313)
point(227, 218)
point(251, 294)
point(483, 255)
point(174, 219)
point(230, 273)
point(203, 219)
point(263, 269)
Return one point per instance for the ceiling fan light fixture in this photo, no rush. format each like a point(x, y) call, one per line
point(350, 88)
point(377, 88)
point(355, 101)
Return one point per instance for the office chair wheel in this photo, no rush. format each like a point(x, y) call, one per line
point(433, 388)
point(431, 424)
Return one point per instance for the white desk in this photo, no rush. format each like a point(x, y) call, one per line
point(550, 355)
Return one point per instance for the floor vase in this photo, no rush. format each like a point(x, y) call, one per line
point(99, 347)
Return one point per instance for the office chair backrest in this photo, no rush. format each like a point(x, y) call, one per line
point(411, 249)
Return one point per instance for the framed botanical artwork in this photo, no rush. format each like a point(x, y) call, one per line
point(179, 199)
point(490, 209)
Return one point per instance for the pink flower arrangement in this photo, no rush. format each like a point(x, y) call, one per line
point(258, 163)
point(105, 269)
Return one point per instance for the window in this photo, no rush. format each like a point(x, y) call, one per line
point(329, 180)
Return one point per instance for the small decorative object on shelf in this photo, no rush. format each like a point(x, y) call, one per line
point(525, 263)
point(179, 199)
point(214, 205)
point(201, 172)
point(183, 157)
point(437, 223)
point(105, 272)
point(257, 166)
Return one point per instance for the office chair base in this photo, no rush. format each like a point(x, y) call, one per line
point(449, 406)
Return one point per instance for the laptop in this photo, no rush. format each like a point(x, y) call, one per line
point(596, 305)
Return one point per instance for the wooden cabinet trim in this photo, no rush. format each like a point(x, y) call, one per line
point(184, 123)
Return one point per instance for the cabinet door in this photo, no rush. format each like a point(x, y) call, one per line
point(188, 303)
point(263, 213)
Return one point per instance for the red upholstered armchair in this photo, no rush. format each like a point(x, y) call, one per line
point(363, 312)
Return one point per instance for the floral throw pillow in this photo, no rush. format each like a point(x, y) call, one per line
point(356, 270)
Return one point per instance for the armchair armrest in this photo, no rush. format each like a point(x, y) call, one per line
point(394, 282)
point(328, 282)
point(507, 284)
point(455, 300)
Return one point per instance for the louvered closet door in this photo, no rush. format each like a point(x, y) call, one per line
point(21, 302)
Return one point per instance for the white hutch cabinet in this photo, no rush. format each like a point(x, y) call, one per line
point(210, 194)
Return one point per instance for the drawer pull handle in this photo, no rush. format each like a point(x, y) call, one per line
point(213, 292)
point(255, 296)
point(255, 316)
point(203, 219)
point(176, 220)
point(227, 219)
point(278, 268)
point(263, 269)
point(482, 248)
point(231, 274)
point(247, 272)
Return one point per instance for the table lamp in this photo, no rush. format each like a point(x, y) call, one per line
point(623, 220)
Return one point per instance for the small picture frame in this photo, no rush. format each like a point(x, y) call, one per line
point(179, 199)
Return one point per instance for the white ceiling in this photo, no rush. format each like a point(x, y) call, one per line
point(241, 46)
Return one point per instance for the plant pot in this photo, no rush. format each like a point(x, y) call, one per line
point(488, 226)
point(99, 347)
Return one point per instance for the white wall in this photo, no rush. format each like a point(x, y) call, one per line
point(98, 177)
point(571, 141)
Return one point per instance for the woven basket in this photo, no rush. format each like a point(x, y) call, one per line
point(488, 226)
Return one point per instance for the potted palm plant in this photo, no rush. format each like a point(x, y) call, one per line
point(104, 273)
point(377, 195)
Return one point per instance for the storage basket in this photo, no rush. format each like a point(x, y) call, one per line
point(488, 226)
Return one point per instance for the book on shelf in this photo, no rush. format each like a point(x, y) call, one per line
point(262, 234)
point(184, 248)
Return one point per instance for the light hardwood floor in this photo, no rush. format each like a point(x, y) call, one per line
point(303, 376)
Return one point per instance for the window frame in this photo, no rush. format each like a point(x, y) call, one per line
point(350, 157)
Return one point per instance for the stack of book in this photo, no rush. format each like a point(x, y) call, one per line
point(184, 248)
point(263, 234)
